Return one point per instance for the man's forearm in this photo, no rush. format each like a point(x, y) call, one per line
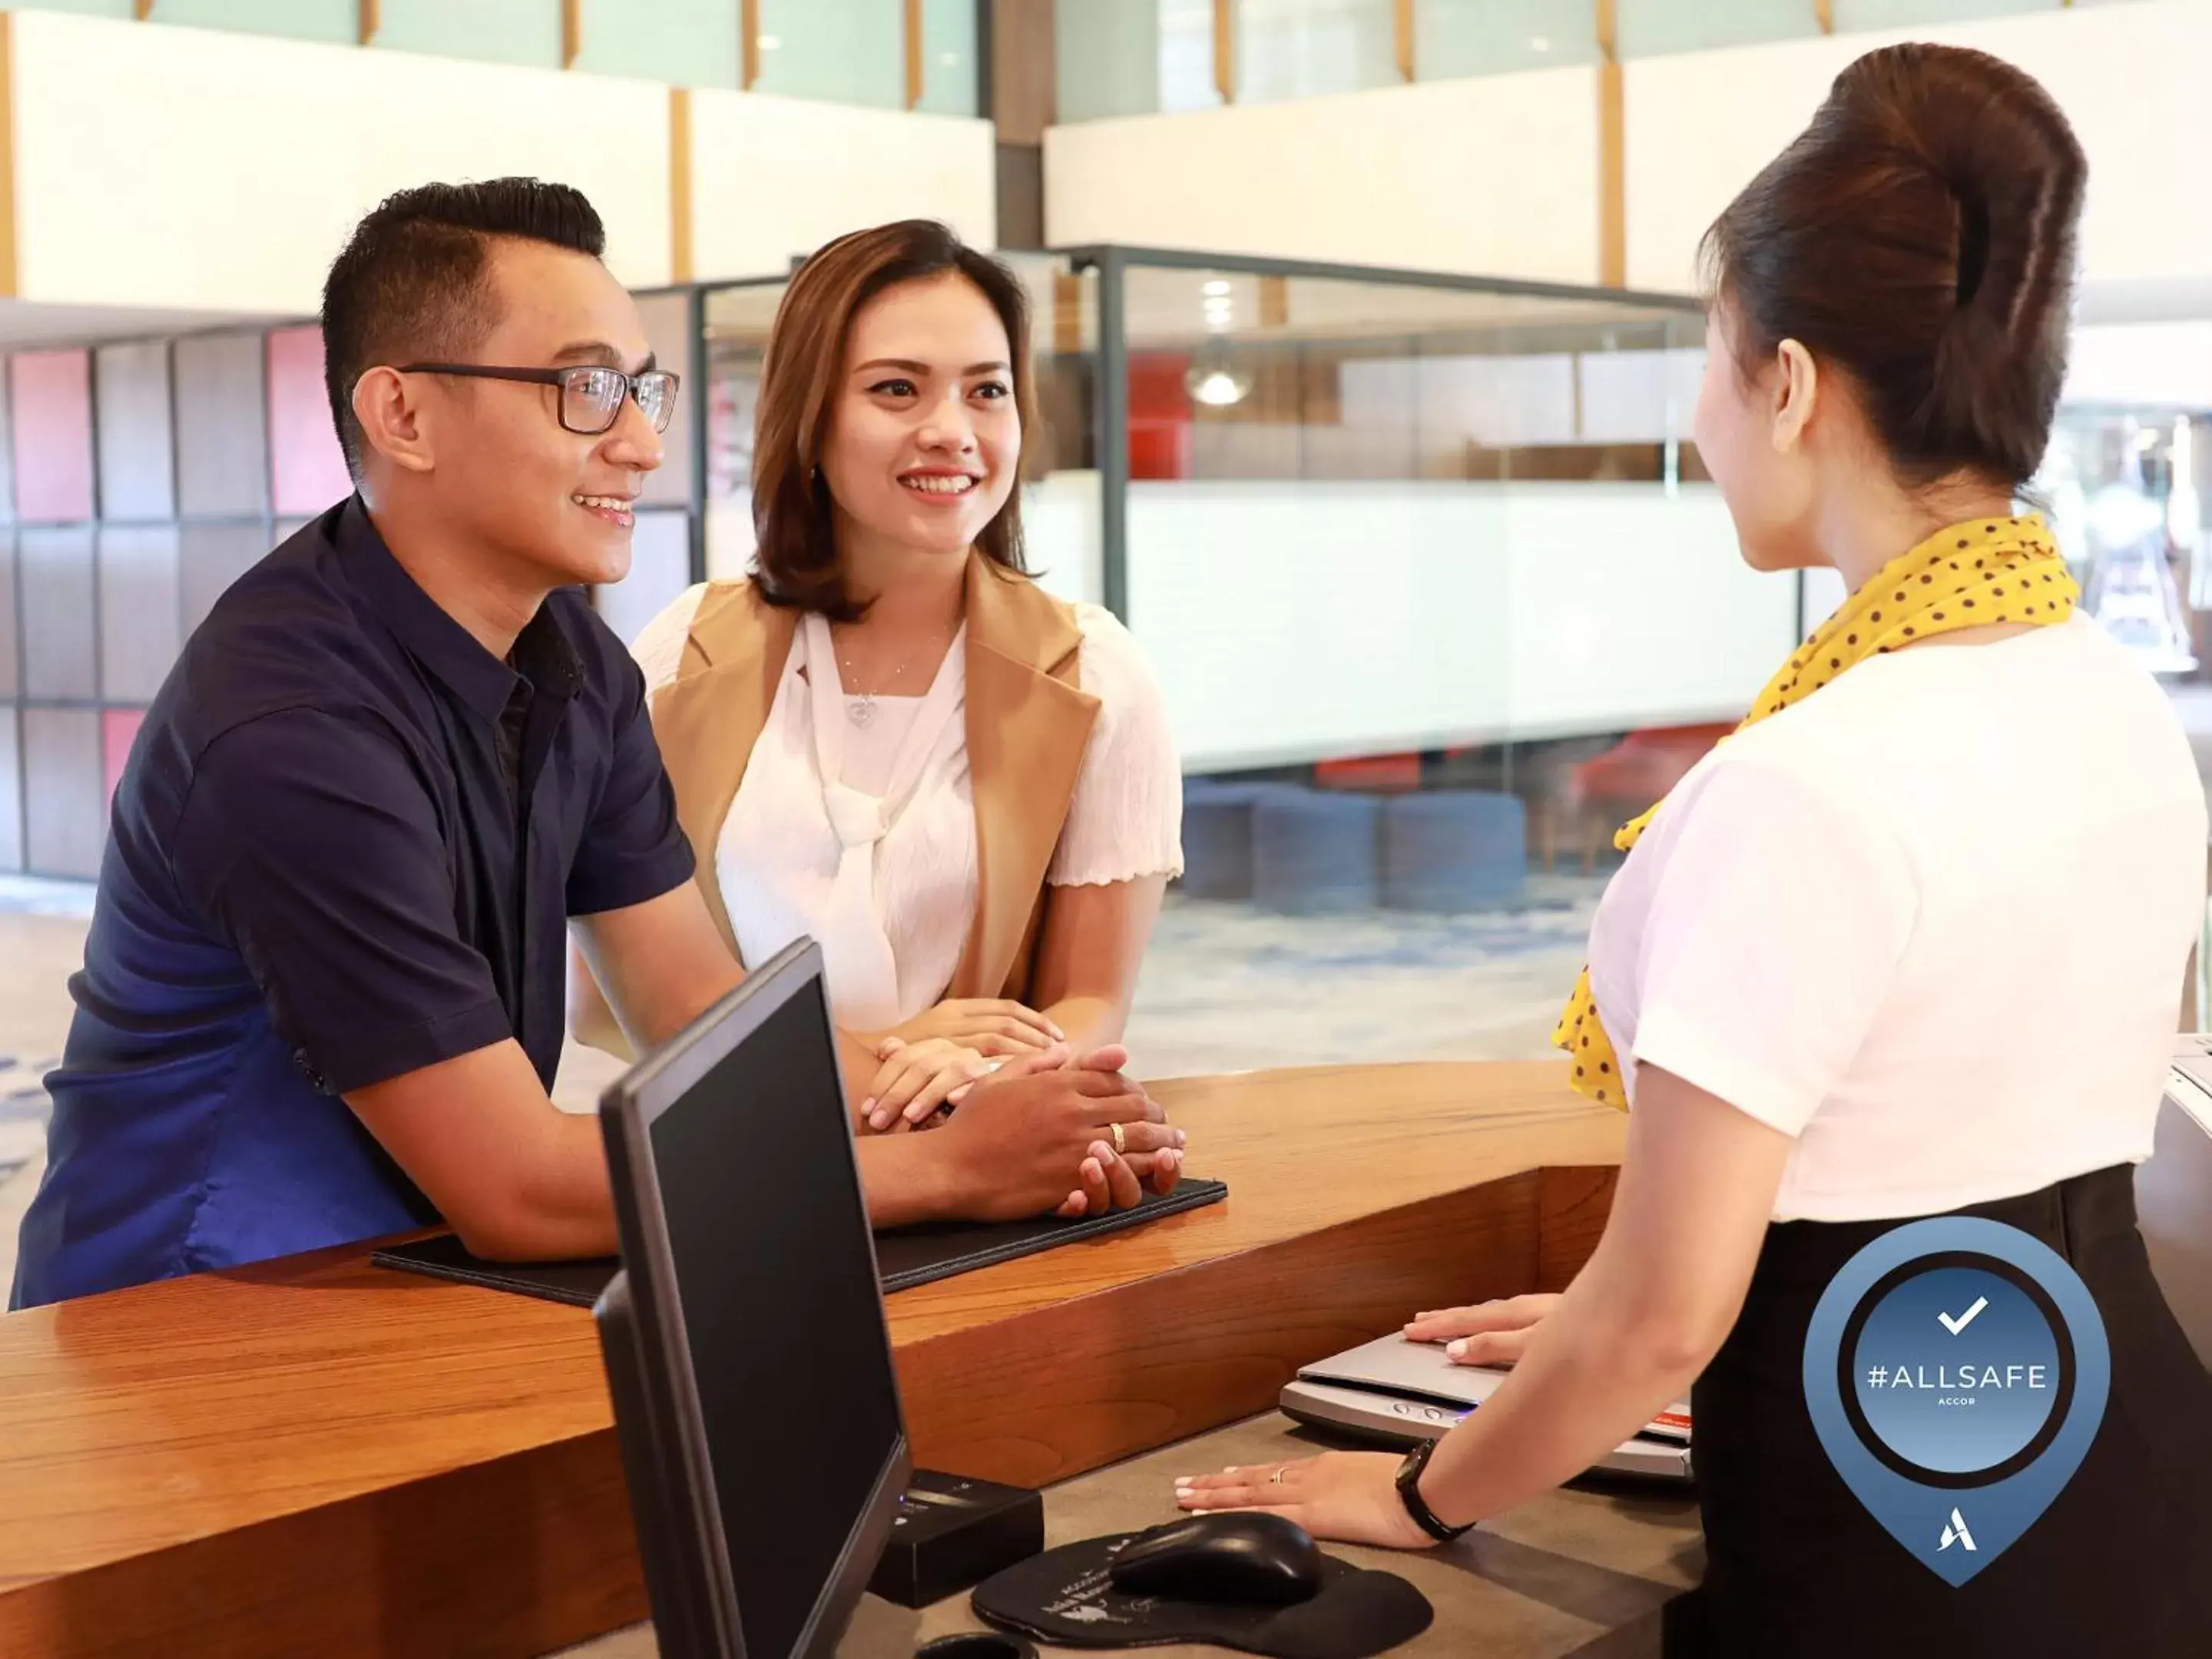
point(907, 1179)
point(670, 1012)
point(561, 1206)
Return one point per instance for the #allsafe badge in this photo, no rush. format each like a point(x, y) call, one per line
point(1957, 1370)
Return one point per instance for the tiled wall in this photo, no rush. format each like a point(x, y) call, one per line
point(138, 481)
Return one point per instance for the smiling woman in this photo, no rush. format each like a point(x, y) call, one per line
point(889, 738)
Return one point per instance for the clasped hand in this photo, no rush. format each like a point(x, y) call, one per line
point(930, 1060)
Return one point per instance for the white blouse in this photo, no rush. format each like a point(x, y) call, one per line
point(1931, 924)
point(863, 837)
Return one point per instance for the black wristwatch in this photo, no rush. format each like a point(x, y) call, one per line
point(1409, 1494)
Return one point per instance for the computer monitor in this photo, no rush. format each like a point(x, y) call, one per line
point(754, 1400)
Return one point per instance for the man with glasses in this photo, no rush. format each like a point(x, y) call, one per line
point(324, 986)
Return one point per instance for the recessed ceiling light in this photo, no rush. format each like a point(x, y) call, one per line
point(770, 42)
point(1216, 287)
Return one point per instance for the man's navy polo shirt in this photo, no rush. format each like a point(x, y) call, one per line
point(345, 847)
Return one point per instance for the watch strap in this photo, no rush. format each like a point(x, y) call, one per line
point(1409, 1494)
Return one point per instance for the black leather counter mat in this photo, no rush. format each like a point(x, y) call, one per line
point(905, 1256)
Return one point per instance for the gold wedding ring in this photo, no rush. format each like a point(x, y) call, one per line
point(1121, 1140)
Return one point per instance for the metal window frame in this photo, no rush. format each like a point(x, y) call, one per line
point(1110, 393)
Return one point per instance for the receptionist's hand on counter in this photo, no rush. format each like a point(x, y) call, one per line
point(1350, 1497)
point(1495, 1333)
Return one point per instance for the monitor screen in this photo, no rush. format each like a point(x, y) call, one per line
point(770, 1273)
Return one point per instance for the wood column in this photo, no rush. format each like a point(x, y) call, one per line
point(1612, 153)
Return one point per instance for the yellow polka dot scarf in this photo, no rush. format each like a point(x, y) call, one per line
point(1984, 571)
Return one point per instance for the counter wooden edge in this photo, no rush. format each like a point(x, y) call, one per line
point(549, 1556)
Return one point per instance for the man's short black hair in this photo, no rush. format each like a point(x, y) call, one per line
point(409, 286)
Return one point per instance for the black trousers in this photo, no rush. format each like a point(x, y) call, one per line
point(2119, 1567)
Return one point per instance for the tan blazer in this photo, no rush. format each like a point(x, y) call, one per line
point(1027, 724)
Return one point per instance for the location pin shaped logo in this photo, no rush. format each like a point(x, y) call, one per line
point(1957, 1370)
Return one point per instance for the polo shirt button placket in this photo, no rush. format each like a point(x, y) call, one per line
point(300, 1059)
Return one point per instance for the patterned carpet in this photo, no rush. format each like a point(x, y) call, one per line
point(1224, 988)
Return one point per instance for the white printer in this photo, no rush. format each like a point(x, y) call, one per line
point(1393, 1390)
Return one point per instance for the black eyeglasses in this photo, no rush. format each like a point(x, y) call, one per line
point(591, 396)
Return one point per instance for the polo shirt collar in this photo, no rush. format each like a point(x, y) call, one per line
point(444, 648)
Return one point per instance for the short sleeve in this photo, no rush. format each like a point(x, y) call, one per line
point(1126, 820)
point(309, 841)
point(1777, 924)
point(658, 647)
point(633, 848)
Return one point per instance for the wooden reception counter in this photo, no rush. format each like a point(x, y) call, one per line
point(322, 1456)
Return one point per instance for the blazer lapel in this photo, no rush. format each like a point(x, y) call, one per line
point(1028, 724)
point(708, 718)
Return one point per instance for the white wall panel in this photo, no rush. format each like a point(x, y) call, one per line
point(1495, 176)
point(773, 179)
point(187, 167)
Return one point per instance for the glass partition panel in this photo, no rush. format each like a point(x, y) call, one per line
point(337, 21)
point(1650, 27)
point(1854, 15)
point(499, 31)
point(844, 51)
point(1106, 58)
point(1490, 489)
point(1307, 48)
point(1457, 38)
point(1186, 56)
point(686, 43)
point(949, 46)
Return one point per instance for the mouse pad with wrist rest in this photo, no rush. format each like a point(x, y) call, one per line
point(905, 1256)
point(1066, 1596)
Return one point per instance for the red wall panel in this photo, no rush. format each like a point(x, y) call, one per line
point(119, 730)
point(53, 438)
point(306, 468)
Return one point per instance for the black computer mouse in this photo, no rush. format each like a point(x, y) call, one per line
point(1231, 1557)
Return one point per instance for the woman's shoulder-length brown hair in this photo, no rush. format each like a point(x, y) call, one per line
point(796, 561)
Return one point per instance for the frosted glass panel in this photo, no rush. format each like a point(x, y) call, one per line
point(686, 43)
point(1306, 48)
point(1457, 38)
point(844, 51)
point(337, 21)
point(137, 471)
point(948, 58)
point(83, 7)
point(1106, 57)
point(498, 31)
point(1650, 27)
point(222, 434)
point(141, 613)
point(1186, 56)
point(64, 799)
point(1852, 15)
point(60, 625)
